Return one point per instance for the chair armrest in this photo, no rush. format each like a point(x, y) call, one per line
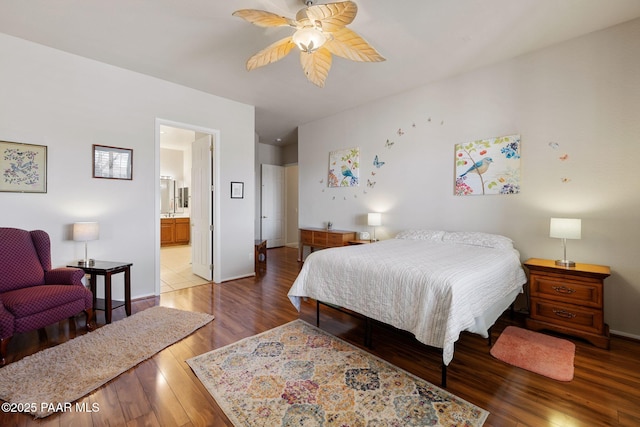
point(64, 276)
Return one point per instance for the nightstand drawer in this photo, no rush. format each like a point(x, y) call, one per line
point(559, 288)
point(567, 315)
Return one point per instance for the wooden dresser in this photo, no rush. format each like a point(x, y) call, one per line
point(323, 238)
point(569, 300)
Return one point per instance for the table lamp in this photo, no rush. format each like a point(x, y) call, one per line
point(374, 219)
point(565, 228)
point(84, 232)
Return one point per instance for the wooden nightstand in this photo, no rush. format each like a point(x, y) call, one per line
point(569, 300)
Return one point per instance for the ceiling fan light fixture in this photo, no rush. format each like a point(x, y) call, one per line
point(320, 32)
point(309, 39)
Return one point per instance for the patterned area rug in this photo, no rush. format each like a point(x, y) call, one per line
point(299, 375)
point(67, 372)
point(536, 352)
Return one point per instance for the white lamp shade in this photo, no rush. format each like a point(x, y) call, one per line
point(374, 219)
point(85, 231)
point(565, 228)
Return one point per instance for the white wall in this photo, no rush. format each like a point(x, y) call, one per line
point(68, 103)
point(583, 94)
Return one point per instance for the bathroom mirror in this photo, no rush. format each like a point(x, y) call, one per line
point(172, 196)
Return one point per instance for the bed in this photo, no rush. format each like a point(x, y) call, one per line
point(434, 284)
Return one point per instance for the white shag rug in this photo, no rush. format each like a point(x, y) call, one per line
point(63, 374)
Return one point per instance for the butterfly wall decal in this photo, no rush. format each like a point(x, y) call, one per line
point(377, 163)
point(370, 184)
point(389, 144)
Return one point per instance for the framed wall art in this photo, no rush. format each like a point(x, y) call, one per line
point(112, 162)
point(237, 190)
point(488, 166)
point(344, 168)
point(23, 167)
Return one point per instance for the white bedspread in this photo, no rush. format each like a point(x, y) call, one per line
point(434, 290)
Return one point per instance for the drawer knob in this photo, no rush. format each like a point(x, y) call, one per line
point(564, 314)
point(563, 289)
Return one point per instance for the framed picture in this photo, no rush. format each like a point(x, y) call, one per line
point(112, 162)
point(344, 168)
point(237, 190)
point(488, 166)
point(23, 167)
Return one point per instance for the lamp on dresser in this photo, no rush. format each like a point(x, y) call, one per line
point(565, 228)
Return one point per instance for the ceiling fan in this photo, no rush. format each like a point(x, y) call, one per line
point(320, 32)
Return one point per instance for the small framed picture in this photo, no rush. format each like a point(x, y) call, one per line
point(237, 190)
point(112, 162)
point(23, 167)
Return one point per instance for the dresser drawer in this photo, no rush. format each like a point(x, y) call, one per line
point(567, 315)
point(336, 239)
point(320, 238)
point(560, 288)
point(306, 237)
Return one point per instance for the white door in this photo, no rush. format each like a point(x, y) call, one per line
point(272, 205)
point(202, 207)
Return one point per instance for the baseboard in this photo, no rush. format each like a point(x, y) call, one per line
point(625, 335)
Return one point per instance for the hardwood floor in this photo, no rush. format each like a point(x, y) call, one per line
point(163, 391)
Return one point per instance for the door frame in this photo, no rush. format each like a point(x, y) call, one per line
point(216, 196)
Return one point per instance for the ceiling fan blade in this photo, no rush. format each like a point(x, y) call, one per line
point(264, 19)
point(331, 16)
point(348, 44)
point(271, 53)
point(316, 65)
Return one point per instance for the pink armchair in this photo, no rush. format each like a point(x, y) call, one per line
point(32, 295)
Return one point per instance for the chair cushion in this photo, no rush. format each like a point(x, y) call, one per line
point(27, 301)
point(19, 263)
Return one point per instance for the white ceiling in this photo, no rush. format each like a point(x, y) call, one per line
point(197, 43)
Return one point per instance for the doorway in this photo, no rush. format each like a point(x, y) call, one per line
point(272, 203)
point(179, 155)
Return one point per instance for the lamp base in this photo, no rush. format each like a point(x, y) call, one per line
point(565, 263)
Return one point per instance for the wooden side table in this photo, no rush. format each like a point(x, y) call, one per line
point(107, 269)
point(569, 300)
point(260, 254)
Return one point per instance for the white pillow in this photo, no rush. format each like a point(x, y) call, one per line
point(434, 235)
point(476, 238)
